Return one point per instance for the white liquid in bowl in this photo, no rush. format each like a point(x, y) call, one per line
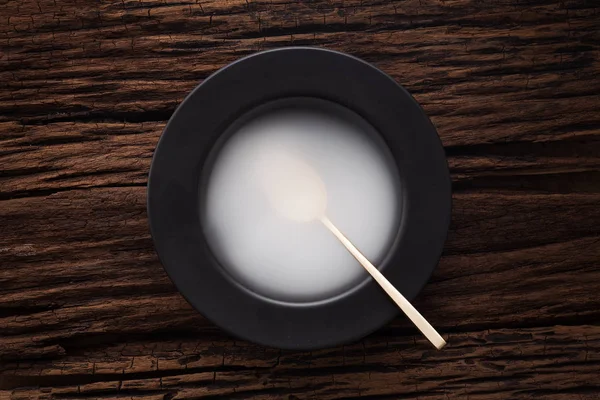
point(281, 251)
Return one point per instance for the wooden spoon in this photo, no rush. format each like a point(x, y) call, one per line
point(297, 192)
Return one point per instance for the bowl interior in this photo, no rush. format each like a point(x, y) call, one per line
point(284, 259)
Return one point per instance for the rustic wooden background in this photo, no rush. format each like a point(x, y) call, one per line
point(86, 88)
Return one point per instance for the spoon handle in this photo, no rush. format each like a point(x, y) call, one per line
point(408, 309)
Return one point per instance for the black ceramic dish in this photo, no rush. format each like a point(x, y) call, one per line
point(175, 193)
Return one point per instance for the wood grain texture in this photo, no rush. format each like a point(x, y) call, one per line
point(86, 88)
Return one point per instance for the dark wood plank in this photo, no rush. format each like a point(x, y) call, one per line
point(495, 364)
point(86, 88)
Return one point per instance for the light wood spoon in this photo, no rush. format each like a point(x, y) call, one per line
point(297, 192)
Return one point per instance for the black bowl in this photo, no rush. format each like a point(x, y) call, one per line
point(175, 191)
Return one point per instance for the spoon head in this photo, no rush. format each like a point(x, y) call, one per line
point(293, 187)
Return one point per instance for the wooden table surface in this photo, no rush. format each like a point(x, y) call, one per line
point(86, 310)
